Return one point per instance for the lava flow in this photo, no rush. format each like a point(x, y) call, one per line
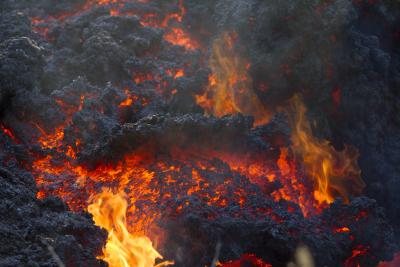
point(150, 132)
point(171, 22)
point(245, 260)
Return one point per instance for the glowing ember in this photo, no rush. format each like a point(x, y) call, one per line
point(177, 36)
point(130, 99)
point(126, 103)
point(356, 254)
point(49, 141)
point(40, 26)
point(230, 87)
point(7, 132)
point(342, 230)
point(179, 73)
point(294, 189)
point(250, 260)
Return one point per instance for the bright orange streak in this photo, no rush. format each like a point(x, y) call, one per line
point(179, 73)
point(126, 103)
point(342, 230)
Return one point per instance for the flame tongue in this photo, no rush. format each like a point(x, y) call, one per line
point(123, 249)
point(334, 173)
point(230, 87)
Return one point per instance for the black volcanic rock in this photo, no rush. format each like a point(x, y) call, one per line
point(21, 63)
point(275, 237)
point(30, 226)
point(15, 24)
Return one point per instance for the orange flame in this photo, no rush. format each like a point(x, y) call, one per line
point(123, 249)
point(230, 87)
point(335, 173)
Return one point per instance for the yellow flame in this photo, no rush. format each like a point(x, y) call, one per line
point(230, 87)
point(123, 249)
point(335, 173)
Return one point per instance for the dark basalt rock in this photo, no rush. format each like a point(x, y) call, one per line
point(30, 226)
point(21, 63)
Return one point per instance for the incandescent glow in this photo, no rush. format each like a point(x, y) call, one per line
point(178, 36)
point(356, 254)
point(245, 260)
point(342, 230)
point(7, 132)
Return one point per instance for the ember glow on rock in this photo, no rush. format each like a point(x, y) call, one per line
point(171, 22)
point(245, 260)
point(177, 36)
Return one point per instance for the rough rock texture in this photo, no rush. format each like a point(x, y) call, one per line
point(32, 230)
point(267, 236)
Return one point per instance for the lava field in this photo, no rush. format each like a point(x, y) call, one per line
point(192, 133)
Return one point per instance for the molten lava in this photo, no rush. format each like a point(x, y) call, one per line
point(334, 173)
point(230, 87)
point(171, 22)
point(294, 188)
point(123, 249)
point(151, 181)
point(246, 260)
point(178, 36)
point(356, 254)
point(342, 230)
